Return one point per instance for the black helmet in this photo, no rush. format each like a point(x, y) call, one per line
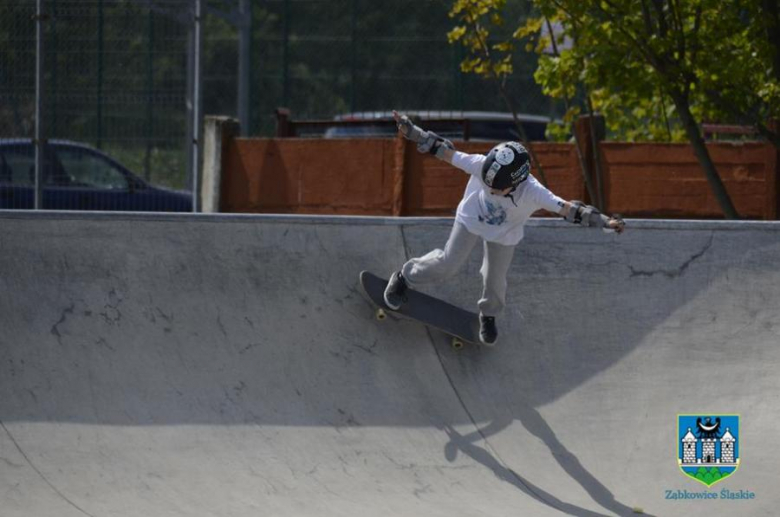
point(507, 165)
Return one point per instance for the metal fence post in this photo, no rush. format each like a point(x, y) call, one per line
point(353, 59)
point(100, 64)
point(53, 72)
point(244, 62)
point(39, 131)
point(149, 129)
point(196, 107)
point(286, 55)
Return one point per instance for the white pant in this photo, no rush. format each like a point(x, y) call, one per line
point(437, 266)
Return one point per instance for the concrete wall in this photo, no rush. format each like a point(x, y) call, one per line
point(388, 177)
point(175, 365)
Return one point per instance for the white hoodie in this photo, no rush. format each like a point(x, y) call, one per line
point(499, 219)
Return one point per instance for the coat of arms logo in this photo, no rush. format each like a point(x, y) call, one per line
point(708, 446)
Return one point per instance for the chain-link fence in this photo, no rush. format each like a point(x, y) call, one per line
point(115, 103)
point(323, 58)
point(124, 80)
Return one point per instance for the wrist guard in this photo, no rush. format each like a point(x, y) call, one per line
point(435, 145)
point(585, 215)
point(412, 132)
point(427, 141)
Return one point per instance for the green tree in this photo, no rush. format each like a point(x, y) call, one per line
point(739, 73)
point(479, 20)
point(655, 68)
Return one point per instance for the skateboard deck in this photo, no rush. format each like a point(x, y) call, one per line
point(461, 325)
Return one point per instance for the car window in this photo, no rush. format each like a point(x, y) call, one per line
point(88, 170)
point(16, 165)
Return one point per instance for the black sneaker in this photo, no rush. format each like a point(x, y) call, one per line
point(395, 292)
point(487, 330)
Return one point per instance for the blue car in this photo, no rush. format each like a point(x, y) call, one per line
point(78, 177)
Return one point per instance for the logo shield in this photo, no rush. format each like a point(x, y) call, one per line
point(708, 446)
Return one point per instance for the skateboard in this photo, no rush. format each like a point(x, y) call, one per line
point(461, 325)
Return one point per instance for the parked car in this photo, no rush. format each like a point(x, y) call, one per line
point(78, 177)
point(472, 125)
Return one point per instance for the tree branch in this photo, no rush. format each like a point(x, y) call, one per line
point(642, 47)
point(646, 18)
point(505, 96)
point(663, 28)
point(580, 158)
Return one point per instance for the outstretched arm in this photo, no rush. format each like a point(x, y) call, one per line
point(578, 212)
point(427, 141)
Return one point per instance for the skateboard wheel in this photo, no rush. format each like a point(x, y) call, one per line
point(457, 344)
point(381, 314)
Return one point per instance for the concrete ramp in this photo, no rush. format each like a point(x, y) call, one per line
point(229, 366)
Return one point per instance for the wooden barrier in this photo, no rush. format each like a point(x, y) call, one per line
point(388, 177)
point(665, 180)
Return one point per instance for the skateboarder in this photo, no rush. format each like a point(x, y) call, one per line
point(499, 198)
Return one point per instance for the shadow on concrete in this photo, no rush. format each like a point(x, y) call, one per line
point(258, 322)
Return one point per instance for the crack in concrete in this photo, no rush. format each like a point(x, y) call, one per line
point(55, 330)
point(221, 325)
point(673, 273)
point(368, 349)
point(10, 463)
